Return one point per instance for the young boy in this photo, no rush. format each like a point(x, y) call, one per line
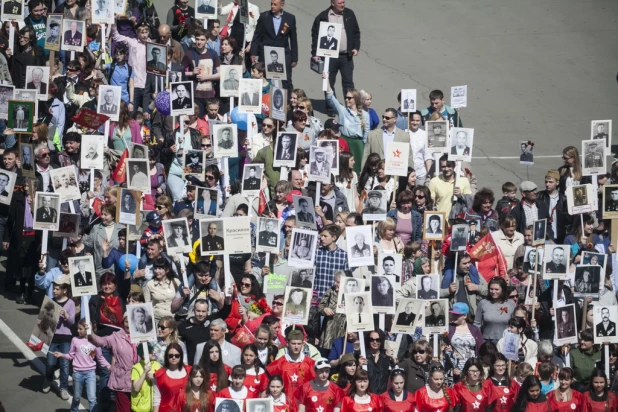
point(120, 73)
point(546, 374)
point(509, 201)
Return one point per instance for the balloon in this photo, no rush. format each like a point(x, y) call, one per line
point(240, 119)
point(162, 103)
point(132, 261)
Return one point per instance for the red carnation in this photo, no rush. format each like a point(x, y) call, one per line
point(177, 12)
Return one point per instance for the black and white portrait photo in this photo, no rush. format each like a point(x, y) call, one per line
point(461, 144)
point(193, 163)
point(348, 285)
point(259, 405)
point(334, 145)
point(230, 80)
point(268, 235)
point(46, 322)
point(138, 151)
point(19, 95)
point(296, 305)
point(390, 264)
point(302, 278)
point(436, 316)
point(604, 321)
point(206, 203)
point(92, 152)
point(305, 211)
point(224, 143)
point(566, 325)
point(250, 91)
point(437, 136)
point(205, 9)
point(228, 405)
point(182, 98)
point(74, 38)
point(427, 286)
point(459, 96)
point(360, 246)
point(20, 116)
point(530, 259)
point(53, 34)
point(302, 248)
point(383, 293)
point(47, 210)
point(526, 153)
point(83, 276)
point(128, 207)
point(278, 105)
point(580, 199)
point(177, 237)
point(120, 7)
point(109, 101)
point(274, 60)
point(329, 37)
point(375, 205)
point(459, 237)
point(141, 322)
point(212, 235)
point(593, 157)
point(610, 201)
point(69, 225)
point(103, 11)
point(26, 154)
point(320, 161)
point(602, 129)
point(156, 60)
point(539, 232)
point(12, 10)
point(37, 78)
point(7, 93)
point(65, 183)
point(138, 177)
point(359, 312)
point(556, 261)
point(587, 281)
point(408, 100)
point(580, 196)
point(594, 259)
point(408, 316)
point(285, 149)
point(252, 179)
point(433, 228)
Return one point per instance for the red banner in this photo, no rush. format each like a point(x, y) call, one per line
point(120, 172)
point(89, 119)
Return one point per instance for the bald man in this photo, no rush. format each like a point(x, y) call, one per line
point(165, 37)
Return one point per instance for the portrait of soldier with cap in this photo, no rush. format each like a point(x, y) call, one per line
point(610, 199)
point(580, 196)
point(320, 165)
point(594, 155)
point(459, 238)
point(374, 205)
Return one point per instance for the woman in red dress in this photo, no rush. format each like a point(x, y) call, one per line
point(347, 369)
point(565, 399)
point(255, 378)
point(359, 399)
point(237, 390)
point(397, 399)
point(530, 398)
point(171, 379)
point(471, 395)
point(275, 392)
point(213, 366)
point(501, 389)
point(197, 391)
point(598, 398)
point(435, 396)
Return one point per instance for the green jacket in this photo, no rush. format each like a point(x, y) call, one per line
point(266, 156)
point(583, 365)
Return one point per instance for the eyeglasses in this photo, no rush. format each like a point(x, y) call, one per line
point(161, 327)
point(268, 125)
point(64, 262)
point(210, 177)
point(206, 145)
point(387, 118)
point(246, 285)
point(277, 303)
point(420, 196)
point(418, 352)
point(499, 365)
point(44, 155)
point(473, 371)
point(374, 339)
point(159, 207)
point(514, 297)
point(173, 356)
point(349, 97)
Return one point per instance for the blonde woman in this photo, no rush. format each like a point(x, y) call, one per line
point(388, 241)
point(167, 332)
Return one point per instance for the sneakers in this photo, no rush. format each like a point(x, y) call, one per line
point(64, 394)
point(57, 374)
point(46, 386)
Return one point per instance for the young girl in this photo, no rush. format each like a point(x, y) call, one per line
point(82, 354)
point(501, 389)
point(142, 381)
point(196, 397)
point(237, 390)
point(255, 378)
point(275, 392)
point(531, 398)
point(359, 399)
point(435, 396)
point(598, 398)
point(528, 348)
point(212, 364)
point(470, 392)
point(397, 398)
point(61, 342)
point(565, 399)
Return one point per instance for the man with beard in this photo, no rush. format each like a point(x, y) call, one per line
point(606, 327)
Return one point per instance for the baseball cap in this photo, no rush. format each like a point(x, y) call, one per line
point(527, 186)
point(62, 280)
point(322, 363)
point(332, 124)
point(153, 217)
point(460, 308)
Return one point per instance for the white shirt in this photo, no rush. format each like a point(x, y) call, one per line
point(387, 137)
point(419, 153)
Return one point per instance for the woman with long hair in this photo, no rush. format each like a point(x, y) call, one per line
point(27, 53)
point(231, 53)
point(167, 333)
point(360, 398)
point(435, 396)
point(397, 398)
point(369, 174)
point(197, 396)
point(347, 369)
point(274, 392)
point(407, 182)
point(237, 389)
point(161, 289)
point(471, 394)
point(528, 348)
point(180, 11)
point(125, 131)
point(164, 207)
point(212, 364)
point(379, 361)
point(313, 123)
point(501, 389)
point(581, 237)
point(385, 182)
point(388, 242)
point(565, 399)
point(598, 398)
point(171, 379)
point(255, 377)
point(493, 313)
point(295, 97)
point(249, 292)
point(347, 180)
point(422, 199)
point(374, 119)
point(530, 397)
point(571, 171)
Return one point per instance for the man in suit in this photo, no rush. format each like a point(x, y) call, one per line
point(252, 182)
point(460, 148)
point(211, 241)
point(154, 63)
point(250, 98)
point(565, 326)
point(45, 213)
point(319, 167)
point(606, 327)
point(358, 315)
point(387, 133)
point(276, 29)
point(329, 42)
point(594, 157)
point(557, 262)
point(108, 107)
point(407, 318)
point(231, 83)
point(539, 230)
point(82, 278)
point(600, 132)
point(436, 318)
point(284, 151)
point(268, 237)
point(73, 37)
point(205, 8)
point(274, 66)
point(182, 101)
point(304, 215)
point(37, 82)
point(4, 182)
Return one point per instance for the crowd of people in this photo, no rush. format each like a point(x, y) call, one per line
point(222, 335)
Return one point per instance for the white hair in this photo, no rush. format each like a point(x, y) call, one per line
point(219, 322)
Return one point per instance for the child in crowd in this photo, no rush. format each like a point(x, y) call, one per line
point(509, 201)
point(546, 373)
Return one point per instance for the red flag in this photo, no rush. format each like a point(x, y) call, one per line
point(485, 248)
point(96, 206)
point(263, 203)
point(120, 172)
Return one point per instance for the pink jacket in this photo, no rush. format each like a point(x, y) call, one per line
point(126, 356)
point(81, 353)
point(136, 136)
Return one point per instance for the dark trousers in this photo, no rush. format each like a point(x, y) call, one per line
point(138, 99)
point(345, 65)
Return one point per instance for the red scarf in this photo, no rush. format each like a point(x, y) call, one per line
point(111, 311)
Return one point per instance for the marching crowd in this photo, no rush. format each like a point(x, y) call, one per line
point(215, 342)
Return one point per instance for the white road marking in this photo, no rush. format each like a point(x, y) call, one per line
point(516, 157)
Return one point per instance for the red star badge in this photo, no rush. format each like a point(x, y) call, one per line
point(396, 153)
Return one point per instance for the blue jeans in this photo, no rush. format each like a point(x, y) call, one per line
point(52, 361)
point(105, 392)
point(176, 186)
point(89, 380)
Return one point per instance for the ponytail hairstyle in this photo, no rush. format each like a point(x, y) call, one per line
point(521, 403)
point(205, 394)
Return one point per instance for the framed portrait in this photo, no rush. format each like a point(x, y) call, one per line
point(434, 225)
point(206, 204)
point(177, 236)
point(230, 80)
point(539, 233)
point(138, 174)
point(69, 225)
point(296, 305)
point(588, 281)
point(408, 316)
point(243, 9)
point(556, 262)
point(459, 96)
point(383, 293)
point(37, 78)
point(224, 140)
point(459, 237)
point(334, 145)
point(602, 129)
point(65, 183)
point(474, 231)
point(359, 312)
point(181, 96)
point(302, 278)
point(462, 140)
point(135, 232)
point(375, 205)
point(252, 179)
point(83, 276)
point(238, 234)
point(52, 32)
point(610, 201)
point(74, 35)
point(437, 136)
point(428, 287)
point(156, 60)
point(305, 211)
point(329, 37)
point(250, 91)
point(205, 9)
point(390, 264)
point(229, 405)
point(141, 322)
point(128, 208)
point(138, 151)
point(396, 158)
point(533, 259)
point(268, 236)
point(109, 101)
point(103, 11)
point(194, 163)
point(47, 211)
point(348, 285)
point(285, 152)
point(212, 235)
point(408, 100)
point(605, 319)
point(120, 7)
point(526, 153)
point(13, 10)
point(26, 155)
point(595, 259)
point(436, 316)
point(274, 60)
point(21, 115)
point(510, 346)
point(92, 152)
point(593, 157)
point(359, 245)
point(278, 103)
point(565, 325)
point(26, 96)
point(7, 93)
point(302, 248)
point(46, 322)
point(259, 405)
point(320, 161)
point(580, 199)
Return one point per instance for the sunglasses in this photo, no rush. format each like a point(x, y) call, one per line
point(301, 107)
point(210, 177)
point(418, 352)
point(44, 155)
point(159, 207)
point(246, 284)
point(161, 327)
point(268, 125)
point(206, 145)
point(387, 118)
point(420, 196)
point(514, 297)
point(374, 339)
point(349, 97)
point(173, 356)
point(277, 303)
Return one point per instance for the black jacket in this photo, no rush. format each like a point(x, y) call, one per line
point(563, 179)
point(151, 86)
point(520, 216)
point(352, 31)
point(545, 321)
point(564, 222)
point(265, 35)
point(166, 156)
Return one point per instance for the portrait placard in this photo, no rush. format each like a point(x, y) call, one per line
point(26, 155)
point(278, 103)
point(109, 101)
point(252, 179)
point(74, 35)
point(194, 163)
point(138, 175)
point(396, 158)
point(127, 211)
point(556, 262)
point(390, 264)
point(530, 259)
point(274, 60)
point(224, 140)
point(103, 11)
point(47, 206)
point(383, 293)
point(120, 7)
point(285, 152)
point(21, 115)
point(329, 37)
point(360, 245)
point(296, 305)
point(462, 140)
point(46, 322)
point(540, 232)
point(229, 405)
point(141, 322)
point(427, 287)
point(65, 183)
point(212, 233)
point(243, 10)
point(605, 319)
point(230, 82)
point(138, 151)
point(359, 312)
point(334, 145)
point(436, 316)
point(409, 316)
point(83, 276)
point(13, 10)
point(593, 156)
point(205, 9)
point(375, 205)
point(565, 325)
point(433, 227)
point(305, 212)
point(437, 136)
point(181, 96)
point(459, 96)
point(594, 259)
point(610, 201)
point(238, 234)
point(52, 32)
point(408, 100)
point(177, 236)
point(69, 225)
point(37, 78)
point(268, 235)
point(510, 346)
point(259, 405)
point(7, 93)
point(320, 161)
point(302, 248)
point(459, 237)
point(92, 152)
point(250, 91)
point(348, 285)
point(156, 59)
point(587, 281)
point(207, 203)
point(602, 129)
point(526, 153)
point(580, 199)
point(302, 278)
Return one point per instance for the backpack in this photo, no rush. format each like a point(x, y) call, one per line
point(112, 67)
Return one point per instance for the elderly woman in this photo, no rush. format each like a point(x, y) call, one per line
point(299, 124)
point(416, 365)
point(507, 239)
point(305, 106)
point(387, 239)
point(482, 210)
point(408, 223)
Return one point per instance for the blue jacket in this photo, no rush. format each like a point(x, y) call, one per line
point(45, 281)
point(417, 223)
